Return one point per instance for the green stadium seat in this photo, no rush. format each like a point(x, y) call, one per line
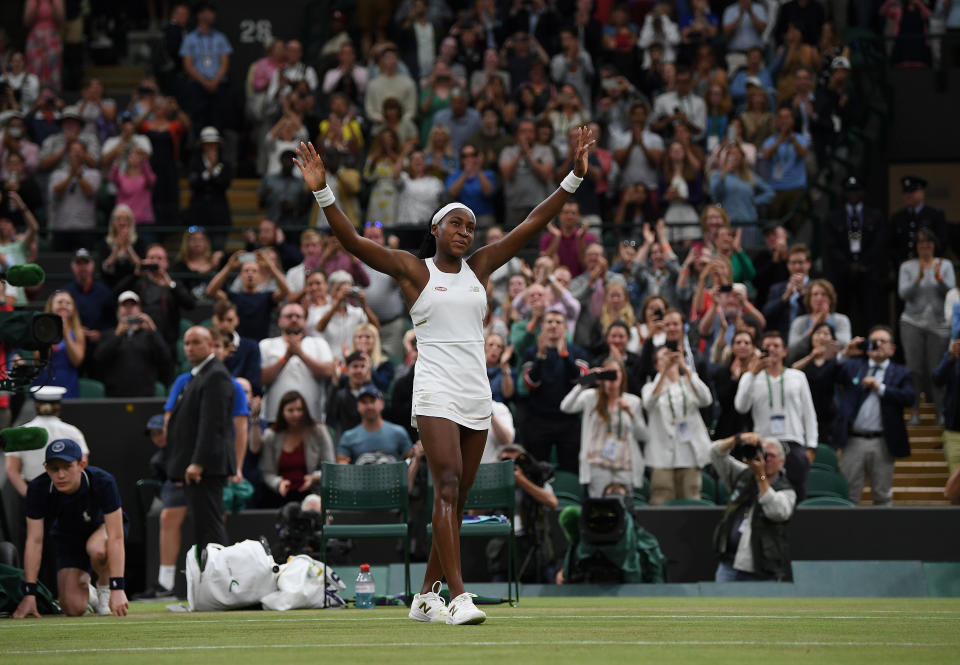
point(91, 389)
point(826, 501)
point(568, 489)
point(826, 483)
point(372, 487)
point(713, 490)
point(159, 390)
point(826, 458)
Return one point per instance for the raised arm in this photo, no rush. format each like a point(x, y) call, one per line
point(491, 257)
point(402, 266)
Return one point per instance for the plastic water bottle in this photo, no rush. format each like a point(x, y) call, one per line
point(365, 588)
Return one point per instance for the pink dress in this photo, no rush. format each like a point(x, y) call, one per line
point(136, 192)
point(44, 49)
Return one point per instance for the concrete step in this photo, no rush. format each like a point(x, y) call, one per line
point(931, 467)
point(935, 479)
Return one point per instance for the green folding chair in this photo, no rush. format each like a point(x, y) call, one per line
point(371, 487)
point(713, 490)
point(826, 459)
point(91, 389)
point(826, 501)
point(568, 489)
point(826, 483)
point(493, 489)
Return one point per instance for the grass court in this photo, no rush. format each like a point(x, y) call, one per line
point(585, 631)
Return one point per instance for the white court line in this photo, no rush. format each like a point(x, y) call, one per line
point(505, 617)
point(354, 645)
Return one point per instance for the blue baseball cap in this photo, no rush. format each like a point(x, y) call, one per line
point(371, 390)
point(155, 422)
point(66, 449)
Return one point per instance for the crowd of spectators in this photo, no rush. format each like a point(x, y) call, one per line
point(675, 269)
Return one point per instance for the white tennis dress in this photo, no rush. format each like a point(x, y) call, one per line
point(451, 371)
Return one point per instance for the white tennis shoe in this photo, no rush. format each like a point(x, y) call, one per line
point(462, 611)
point(429, 607)
point(103, 601)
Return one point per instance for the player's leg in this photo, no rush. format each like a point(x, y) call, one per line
point(73, 585)
point(441, 443)
point(472, 442)
point(97, 552)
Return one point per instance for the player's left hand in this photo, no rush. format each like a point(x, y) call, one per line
point(585, 141)
point(118, 603)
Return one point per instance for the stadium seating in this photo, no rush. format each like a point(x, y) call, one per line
point(826, 458)
point(826, 483)
point(568, 489)
point(91, 389)
point(826, 501)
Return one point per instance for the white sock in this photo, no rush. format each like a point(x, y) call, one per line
point(166, 576)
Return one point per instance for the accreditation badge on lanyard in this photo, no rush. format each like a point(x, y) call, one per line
point(683, 427)
point(611, 447)
point(208, 51)
point(778, 420)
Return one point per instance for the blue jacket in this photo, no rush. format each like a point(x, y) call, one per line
point(777, 312)
point(898, 395)
point(947, 374)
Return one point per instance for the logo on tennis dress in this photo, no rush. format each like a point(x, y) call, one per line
point(86, 516)
point(439, 288)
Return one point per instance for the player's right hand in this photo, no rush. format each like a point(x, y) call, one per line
point(27, 607)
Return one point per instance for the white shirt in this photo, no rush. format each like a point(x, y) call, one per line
point(678, 438)
point(692, 105)
point(782, 408)
point(638, 168)
point(631, 430)
point(491, 451)
point(339, 330)
point(295, 375)
point(32, 460)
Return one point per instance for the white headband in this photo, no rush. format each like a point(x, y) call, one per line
point(456, 205)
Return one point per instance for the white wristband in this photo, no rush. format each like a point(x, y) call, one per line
point(571, 182)
point(324, 197)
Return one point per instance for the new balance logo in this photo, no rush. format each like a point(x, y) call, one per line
point(423, 607)
point(453, 610)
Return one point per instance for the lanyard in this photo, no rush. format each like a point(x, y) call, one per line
point(619, 424)
point(683, 393)
point(783, 397)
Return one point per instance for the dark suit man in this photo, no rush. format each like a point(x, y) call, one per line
point(855, 258)
point(200, 437)
point(785, 299)
point(869, 427)
point(916, 214)
point(947, 374)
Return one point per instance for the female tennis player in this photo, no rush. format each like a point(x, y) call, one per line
point(446, 290)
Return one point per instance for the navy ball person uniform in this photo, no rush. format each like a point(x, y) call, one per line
point(74, 517)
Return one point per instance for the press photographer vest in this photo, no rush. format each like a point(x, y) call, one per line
point(768, 539)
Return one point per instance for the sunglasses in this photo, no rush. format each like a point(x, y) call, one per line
point(379, 225)
point(195, 229)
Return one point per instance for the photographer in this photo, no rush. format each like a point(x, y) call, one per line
point(780, 402)
point(751, 539)
point(869, 427)
point(534, 493)
point(607, 546)
point(609, 442)
point(677, 446)
point(133, 357)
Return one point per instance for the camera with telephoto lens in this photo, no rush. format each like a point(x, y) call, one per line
point(539, 473)
point(746, 452)
point(865, 346)
point(299, 532)
point(591, 379)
